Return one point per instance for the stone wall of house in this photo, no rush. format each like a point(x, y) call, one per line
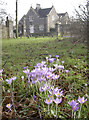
point(35, 21)
point(6, 31)
point(10, 29)
point(52, 18)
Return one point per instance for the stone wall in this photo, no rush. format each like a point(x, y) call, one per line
point(52, 18)
point(0, 31)
point(6, 31)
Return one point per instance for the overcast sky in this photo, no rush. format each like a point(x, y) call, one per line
point(61, 6)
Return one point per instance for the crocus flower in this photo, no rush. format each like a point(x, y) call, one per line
point(81, 100)
point(55, 90)
point(40, 89)
point(22, 77)
point(26, 67)
point(26, 71)
point(51, 59)
point(13, 78)
point(67, 71)
point(1, 71)
point(50, 56)
point(57, 101)
point(61, 67)
point(9, 106)
point(9, 81)
point(55, 65)
point(62, 61)
point(33, 82)
point(55, 77)
point(74, 105)
point(59, 94)
point(72, 102)
point(48, 101)
point(57, 56)
point(47, 58)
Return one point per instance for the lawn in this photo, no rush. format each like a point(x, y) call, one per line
point(22, 52)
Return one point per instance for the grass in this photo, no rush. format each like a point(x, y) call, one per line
point(18, 53)
point(22, 52)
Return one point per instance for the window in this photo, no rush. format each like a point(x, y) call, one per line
point(31, 18)
point(31, 27)
point(66, 22)
point(53, 18)
point(41, 27)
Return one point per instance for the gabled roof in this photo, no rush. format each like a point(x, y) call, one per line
point(43, 12)
point(62, 14)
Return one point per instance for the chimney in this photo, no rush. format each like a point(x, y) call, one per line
point(37, 6)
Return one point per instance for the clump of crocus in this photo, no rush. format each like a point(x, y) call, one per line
point(75, 105)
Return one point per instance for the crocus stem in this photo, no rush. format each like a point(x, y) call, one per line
point(80, 111)
point(72, 113)
point(12, 98)
point(36, 87)
point(56, 111)
point(48, 108)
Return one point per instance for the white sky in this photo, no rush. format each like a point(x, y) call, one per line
point(24, 5)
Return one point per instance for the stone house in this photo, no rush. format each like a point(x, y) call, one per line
point(41, 21)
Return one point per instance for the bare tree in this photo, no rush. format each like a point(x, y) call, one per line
point(3, 12)
point(79, 26)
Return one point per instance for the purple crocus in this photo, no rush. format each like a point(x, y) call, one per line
point(81, 100)
point(50, 56)
point(55, 90)
point(26, 71)
point(57, 101)
point(62, 62)
point(55, 65)
point(51, 59)
point(9, 106)
point(22, 77)
point(40, 89)
point(74, 105)
point(61, 67)
point(1, 71)
point(59, 94)
point(26, 67)
point(57, 56)
point(47, 59)
point(67, 71)
point(48, 101)
point(13, 78)
point(9, 81)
